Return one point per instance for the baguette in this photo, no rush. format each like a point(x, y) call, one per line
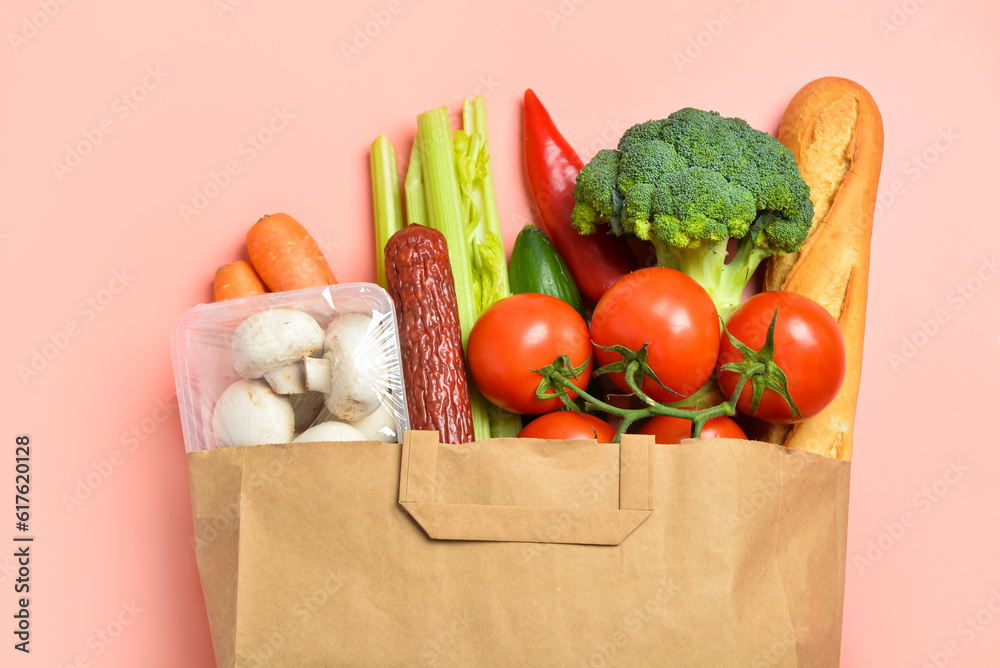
point(834, 129)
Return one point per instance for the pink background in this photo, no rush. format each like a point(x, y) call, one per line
point(99, 262)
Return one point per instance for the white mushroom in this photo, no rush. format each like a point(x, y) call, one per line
point(271, 345)
point(330, 431)
point(317, 370)
point(249, 413)
point(359, 365)
point(288, 379)
point(379, 426)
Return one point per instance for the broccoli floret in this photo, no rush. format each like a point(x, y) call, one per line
point(689, 184)
point(596, 200)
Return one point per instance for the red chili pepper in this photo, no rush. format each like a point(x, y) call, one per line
point(596, 260)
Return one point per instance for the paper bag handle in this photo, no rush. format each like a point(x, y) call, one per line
point(532, 524)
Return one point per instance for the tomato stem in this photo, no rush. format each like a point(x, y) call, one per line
point(556, 384)
point(699, 417)
point(758, 368)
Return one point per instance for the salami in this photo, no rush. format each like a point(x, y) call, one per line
point(419, 279)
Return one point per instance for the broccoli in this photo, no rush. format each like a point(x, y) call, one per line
point(689, 184)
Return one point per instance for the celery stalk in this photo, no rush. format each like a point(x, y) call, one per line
point(385, 199)
point(484, 233)
point(474, 121)
point(413, 186)
point(444, 213)
point(444, 210)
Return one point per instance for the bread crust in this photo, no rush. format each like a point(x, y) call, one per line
point(834, 129)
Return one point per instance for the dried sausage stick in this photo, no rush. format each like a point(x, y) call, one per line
point(419, 279)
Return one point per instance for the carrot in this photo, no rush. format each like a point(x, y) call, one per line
point(236, 280)
point(285, 256)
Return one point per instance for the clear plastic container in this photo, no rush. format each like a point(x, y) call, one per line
point(368, 353)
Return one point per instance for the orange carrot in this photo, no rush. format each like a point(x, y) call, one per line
point(236, 280)
point(285, 256)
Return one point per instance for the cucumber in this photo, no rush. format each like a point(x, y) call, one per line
point(536, 266)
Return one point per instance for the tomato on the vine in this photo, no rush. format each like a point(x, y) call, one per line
point(520, 333)
point(808, 348)
point(569, 425)
point(673, 314)
point(668, 429)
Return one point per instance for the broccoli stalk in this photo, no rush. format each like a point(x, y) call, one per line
point(706, 263)
point(689, 184)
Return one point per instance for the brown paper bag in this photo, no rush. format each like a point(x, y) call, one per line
point(521, 552)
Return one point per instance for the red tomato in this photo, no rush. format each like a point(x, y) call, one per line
point(569, 425)
point(670, 311)
point(808, 346)
point(520, 333)
point(671, 430)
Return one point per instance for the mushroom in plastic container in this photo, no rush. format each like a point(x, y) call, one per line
point(330, 431)
point(353, 373)
point(271, 345)
point(249, 413)
point(379, 426)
